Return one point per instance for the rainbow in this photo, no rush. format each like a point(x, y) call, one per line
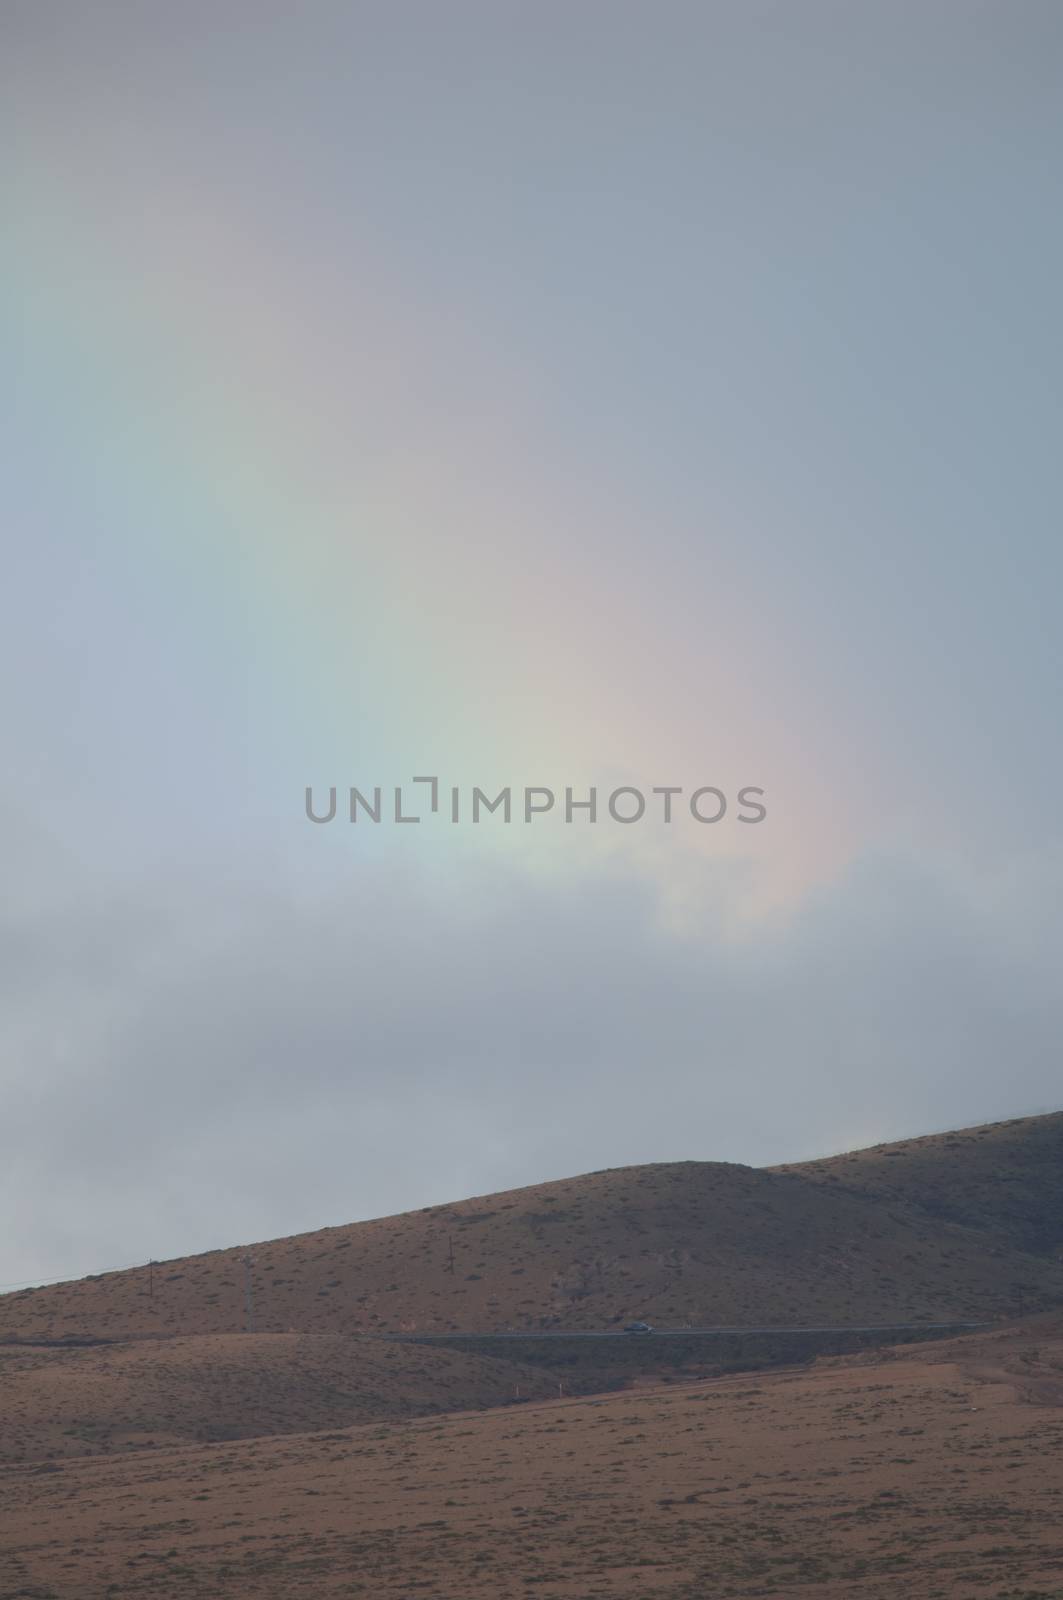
point(351, 510)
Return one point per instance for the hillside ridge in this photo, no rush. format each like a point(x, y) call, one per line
point(946, 1226)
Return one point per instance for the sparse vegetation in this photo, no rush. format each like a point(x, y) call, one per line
point(169, 1455)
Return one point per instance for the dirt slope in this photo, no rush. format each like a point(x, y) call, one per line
point(1004, 1179)
point(65, 1403)
point(935, 1473)
point(960, 1226)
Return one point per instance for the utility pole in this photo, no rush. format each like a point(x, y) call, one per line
point(151, 1280)
point(248, 1264)
point(450, 1242)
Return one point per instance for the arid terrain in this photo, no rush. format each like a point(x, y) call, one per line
point(958, 1226)
point(169, 1453)
point(933, 1473)
point(139, 1394)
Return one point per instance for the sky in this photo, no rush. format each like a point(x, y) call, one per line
point(554, 396)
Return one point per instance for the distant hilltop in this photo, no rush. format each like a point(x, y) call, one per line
point(963, 1225)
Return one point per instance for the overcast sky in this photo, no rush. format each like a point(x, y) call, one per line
point(556, 395)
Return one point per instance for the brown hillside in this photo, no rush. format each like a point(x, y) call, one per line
point(66, 1403)
point(962, 1225)
point(1004, 1179)
point(927, 1473)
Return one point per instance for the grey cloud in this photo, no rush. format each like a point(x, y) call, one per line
point(202, 1067)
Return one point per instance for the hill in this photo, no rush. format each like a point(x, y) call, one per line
point(64, 1403)
point(963, 1225)
point(930, 1472)
point(1004, 1179)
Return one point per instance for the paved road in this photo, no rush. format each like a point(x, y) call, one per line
point(688, 1333)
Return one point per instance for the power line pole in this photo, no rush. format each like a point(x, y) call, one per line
point(248, 1264)
point(151, 1280)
